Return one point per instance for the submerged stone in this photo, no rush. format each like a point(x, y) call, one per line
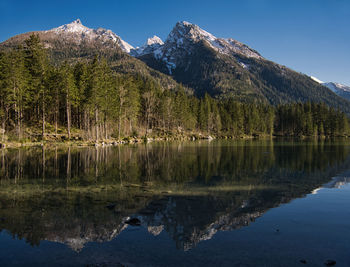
point(330, 263)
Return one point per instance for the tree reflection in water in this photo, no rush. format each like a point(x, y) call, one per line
point(190, 190)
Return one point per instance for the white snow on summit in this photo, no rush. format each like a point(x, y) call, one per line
point(149, 47)
point(80, 33)
point(337, 88)
point(180, 42)
point(342, 87)
point(154, 40)
point(316, 80)
point(74, 27)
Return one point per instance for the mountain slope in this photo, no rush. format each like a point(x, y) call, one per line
point(339, 89)
point(223, 68)
point(74, 42)
point(149, 47)
point(74, 33)
point(227, 68)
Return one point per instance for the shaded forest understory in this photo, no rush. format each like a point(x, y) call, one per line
point(88, 101)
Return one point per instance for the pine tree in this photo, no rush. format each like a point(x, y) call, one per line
point(36, 62)
point(70, 91)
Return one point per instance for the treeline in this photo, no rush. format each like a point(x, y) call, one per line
point(90, 99)
point(310, 119)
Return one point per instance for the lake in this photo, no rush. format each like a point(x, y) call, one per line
point(218, 203)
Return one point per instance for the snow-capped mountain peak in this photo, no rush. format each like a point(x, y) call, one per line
point(343, 87)
point(77, 32)
point(74, 27)
point(184, 29)
point(337, 88)
point(154, 43)
point(154, 40)
point(180, 42)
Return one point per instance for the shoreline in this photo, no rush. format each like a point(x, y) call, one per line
point(144, 140)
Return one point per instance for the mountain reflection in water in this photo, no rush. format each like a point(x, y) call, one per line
point(189, 190)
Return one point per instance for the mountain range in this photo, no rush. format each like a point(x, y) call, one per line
point(202, 62)
point(339, 89)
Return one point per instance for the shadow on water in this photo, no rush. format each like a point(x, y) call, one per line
point(188, 190)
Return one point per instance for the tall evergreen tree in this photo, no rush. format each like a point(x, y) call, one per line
point(36, 62)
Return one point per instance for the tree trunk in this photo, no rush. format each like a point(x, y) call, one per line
point(3, 131)
point(88, 126)
point(80, 118)
point(96, 123)
point(106, 132)
point(147, 124)
point(43, 116)
point(20, 112)
point(56, 113)
point(119, 124)
point(68, 118)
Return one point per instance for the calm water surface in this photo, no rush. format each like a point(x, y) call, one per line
point(220, 203)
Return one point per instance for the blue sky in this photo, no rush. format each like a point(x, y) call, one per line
point(309, 36)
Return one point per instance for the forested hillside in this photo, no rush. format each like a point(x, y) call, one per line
point(89, 99)
point(226, 68)
point(65, 48)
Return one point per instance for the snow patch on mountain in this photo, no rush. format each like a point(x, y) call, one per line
point(316, 80)
point(74, 27)
point(339, 89)
point(154, 40)
point(180, 41)
point(331, 86)
point(149, 47)
point(78, 32)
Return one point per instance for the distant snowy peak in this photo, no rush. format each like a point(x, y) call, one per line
point(342, 87)
point(74, 27)
point(149, 47)
point(185, 30)
point(337, 87)
point(180, 42)
point(82, 33)
point(154, 40)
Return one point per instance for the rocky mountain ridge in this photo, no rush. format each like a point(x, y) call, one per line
point(79, 33)
point(222, 67)
point(337, 88)
point(183, 36)
point(227, 68)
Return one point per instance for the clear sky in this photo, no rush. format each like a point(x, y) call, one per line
point(309, 36)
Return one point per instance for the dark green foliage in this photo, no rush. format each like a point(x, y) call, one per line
point(102, 103)
point(310, 119)
point(245, 79)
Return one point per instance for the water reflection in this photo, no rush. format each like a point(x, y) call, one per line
point(190, 190)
